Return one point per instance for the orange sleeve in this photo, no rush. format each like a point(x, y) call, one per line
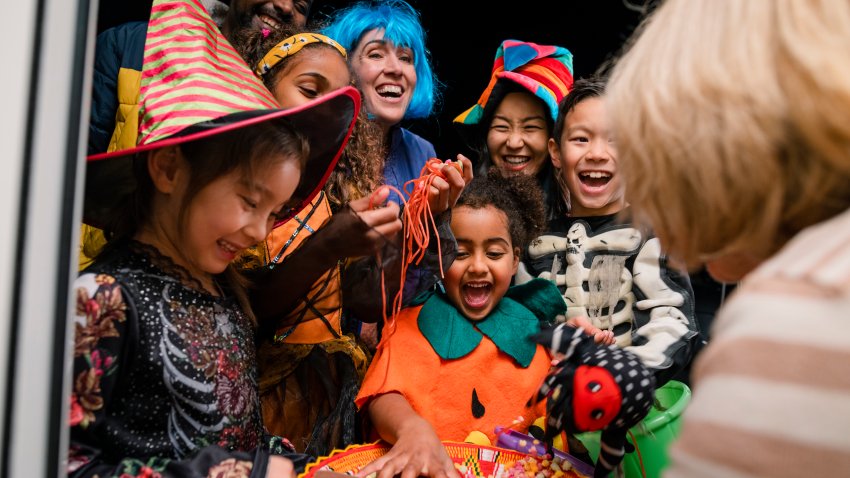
point(404, 363)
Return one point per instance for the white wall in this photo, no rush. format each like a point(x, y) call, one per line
point(46, 60)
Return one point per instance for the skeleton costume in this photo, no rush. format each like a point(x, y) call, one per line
point(617, 276)
point(165, 376)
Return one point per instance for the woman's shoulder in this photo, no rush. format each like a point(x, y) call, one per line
point(818, 256)
point(800, 295)
point(413, 142)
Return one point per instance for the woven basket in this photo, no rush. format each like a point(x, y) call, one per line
point(482, 461)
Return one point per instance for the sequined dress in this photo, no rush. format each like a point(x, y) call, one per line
point(164, 374)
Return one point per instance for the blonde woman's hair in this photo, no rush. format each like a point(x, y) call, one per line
point(732, 120)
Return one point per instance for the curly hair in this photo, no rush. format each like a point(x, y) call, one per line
point(360, 169)
point(519, 197)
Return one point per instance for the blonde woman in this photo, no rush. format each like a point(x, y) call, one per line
point(733, 123)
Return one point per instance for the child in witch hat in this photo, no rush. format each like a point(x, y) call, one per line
point(323, 267)
point(165, 380)
point(308, 367)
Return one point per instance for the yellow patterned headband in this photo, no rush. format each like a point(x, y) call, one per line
point(291, 46)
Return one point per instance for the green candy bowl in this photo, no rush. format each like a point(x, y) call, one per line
point(653, 435)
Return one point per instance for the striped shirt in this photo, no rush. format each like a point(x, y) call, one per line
point(772, 389)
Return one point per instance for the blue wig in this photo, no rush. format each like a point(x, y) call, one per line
point(401, 26)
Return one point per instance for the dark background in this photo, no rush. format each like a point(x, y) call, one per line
point(463, 37)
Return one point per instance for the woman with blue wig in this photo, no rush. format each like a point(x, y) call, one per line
point(392, 69)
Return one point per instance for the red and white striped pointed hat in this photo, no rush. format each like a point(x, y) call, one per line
point(194, 85)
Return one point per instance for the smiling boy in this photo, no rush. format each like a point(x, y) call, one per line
point(607, 270)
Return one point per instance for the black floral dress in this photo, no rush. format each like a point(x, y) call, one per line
point(165, 379)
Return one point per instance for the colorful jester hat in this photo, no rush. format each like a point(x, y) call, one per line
point(194, 85)
point(544, 70)
point(594, 387)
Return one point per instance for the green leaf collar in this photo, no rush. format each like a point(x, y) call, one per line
point(517, 317)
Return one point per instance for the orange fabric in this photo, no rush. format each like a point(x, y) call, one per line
point(326, 299)
point(418, 222)
point(441, 390)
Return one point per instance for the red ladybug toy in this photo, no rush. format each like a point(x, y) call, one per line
point(594, 387)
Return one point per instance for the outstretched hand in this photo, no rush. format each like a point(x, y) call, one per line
point(364, 227)
point(446, 189)
point(280, 467)
point(604, 337)
point(417, 452)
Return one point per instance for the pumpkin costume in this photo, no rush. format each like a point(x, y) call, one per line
point(464, 375)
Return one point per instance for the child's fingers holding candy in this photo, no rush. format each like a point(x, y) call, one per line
point(436, 166)
point(457, 165)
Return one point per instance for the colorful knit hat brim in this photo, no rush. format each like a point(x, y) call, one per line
point(546, 71)
point(195, 85)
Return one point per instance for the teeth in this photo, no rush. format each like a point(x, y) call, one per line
point(478, 286)
point(596, 174)
point(227, 247)
point(271, 22)
point(390, 89)
point(516, 159)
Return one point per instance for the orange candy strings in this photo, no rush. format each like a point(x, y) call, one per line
point(417, 218)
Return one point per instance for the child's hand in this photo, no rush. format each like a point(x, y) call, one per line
point(280, 467)
point(444, 192)
point(417, 452)
point(604, 337)
point(364, 228)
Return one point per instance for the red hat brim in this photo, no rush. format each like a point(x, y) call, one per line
point(326, 122)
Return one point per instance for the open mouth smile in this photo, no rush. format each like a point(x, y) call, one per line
point(476, 295)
